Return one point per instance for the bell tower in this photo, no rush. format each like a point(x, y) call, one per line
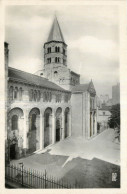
point(55, 59)
point(55, 49)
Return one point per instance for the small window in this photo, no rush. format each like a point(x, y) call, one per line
point(49, 60)
point(38, 96)
point(20, 94)
point(14, 122)
point(57, 59)
point(49, 50)
point(103, 113)
point(16, 93)
point(31, 95)
point(35, 95)
point(57, 49)
point(11, 93)
point(64, 51)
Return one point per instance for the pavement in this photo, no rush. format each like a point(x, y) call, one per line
point(88, 163)
point(103, 147)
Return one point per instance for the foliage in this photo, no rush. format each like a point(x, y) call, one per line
point(114, 121)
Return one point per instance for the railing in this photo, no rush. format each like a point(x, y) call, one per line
point(33, 179)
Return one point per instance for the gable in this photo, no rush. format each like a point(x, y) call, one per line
point(91, 88)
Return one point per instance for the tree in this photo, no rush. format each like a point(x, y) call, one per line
point(114, 121)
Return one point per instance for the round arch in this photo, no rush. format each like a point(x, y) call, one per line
point(58, 123)
point(15, 129)
point(47, 126)
point(66, 121)
point(34, 130)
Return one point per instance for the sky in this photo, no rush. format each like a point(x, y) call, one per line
point(90, 31)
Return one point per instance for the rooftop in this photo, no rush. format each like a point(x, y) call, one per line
point(15, 74)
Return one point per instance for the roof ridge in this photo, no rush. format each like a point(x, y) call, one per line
point(28, 73)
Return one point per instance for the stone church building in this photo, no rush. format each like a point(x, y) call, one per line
point(46, 108)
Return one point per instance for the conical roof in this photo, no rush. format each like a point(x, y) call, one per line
point(55, 32)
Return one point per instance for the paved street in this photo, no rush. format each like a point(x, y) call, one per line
point(89, 163)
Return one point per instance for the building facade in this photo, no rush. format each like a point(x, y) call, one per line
point(103, 118)
point(84, 110)
point(42, 108)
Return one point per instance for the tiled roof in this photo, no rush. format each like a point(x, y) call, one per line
point(80, 88)
point(55, 32)
point(19, 75)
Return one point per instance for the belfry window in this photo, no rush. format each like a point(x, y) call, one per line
point(49, 50)
point(64, 51)
point(57, 59)
point(57, 49)
point(49, 60)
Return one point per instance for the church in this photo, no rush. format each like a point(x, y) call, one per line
point(49, 106)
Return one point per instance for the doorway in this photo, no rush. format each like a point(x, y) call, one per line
point(13, 151)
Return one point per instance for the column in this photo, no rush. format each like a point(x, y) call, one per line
point(69, 127)
point(92, 123)
point(53, 127)
point(41, 129)
point(63, 125)
point(26, 129)
point(50, 129)
point(95, 123)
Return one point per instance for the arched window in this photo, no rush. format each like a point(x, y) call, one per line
point(50, 97)
point(55, 59)
point(31, 95)
point(16, 93)
point(14, 121)
point(55, 73)
point(35, 95)
point(64, 51)
point(20, 93)
point(49, 50)
point(38, 95)
point(56, 49)
point(11, 93)
point(49, 60)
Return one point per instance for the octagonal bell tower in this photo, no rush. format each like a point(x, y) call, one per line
point(55, 52)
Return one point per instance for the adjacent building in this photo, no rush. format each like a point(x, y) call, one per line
point(103, 118)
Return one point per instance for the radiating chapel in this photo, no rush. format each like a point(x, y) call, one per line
point(51, 106)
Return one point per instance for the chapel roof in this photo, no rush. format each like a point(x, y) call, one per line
point(80, 88)
point(55, 32)
point(18, 75)
point(84, 87)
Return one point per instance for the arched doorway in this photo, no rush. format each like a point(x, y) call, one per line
point(34, 130)
point(66, 122)
point(58, 124)
point(47, 126)
point(14, 133)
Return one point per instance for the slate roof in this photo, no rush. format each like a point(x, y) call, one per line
point(55, 32)
point(15, 74)
point(80, 88)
